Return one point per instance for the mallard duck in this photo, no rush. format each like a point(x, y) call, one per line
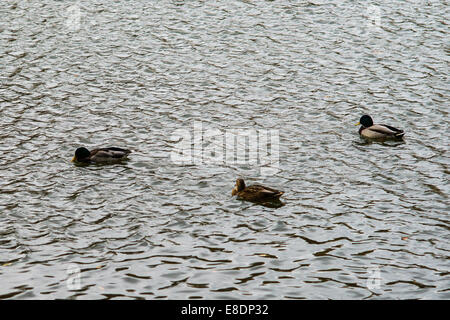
point(255, 193)
point(100, 155)
point(377, 131)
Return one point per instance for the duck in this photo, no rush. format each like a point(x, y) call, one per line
point(100, 155)
point(377, 131)
point(255, 193)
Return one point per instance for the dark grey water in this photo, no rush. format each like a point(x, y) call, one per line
point(360, 220)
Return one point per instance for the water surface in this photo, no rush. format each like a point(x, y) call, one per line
point(360, 220)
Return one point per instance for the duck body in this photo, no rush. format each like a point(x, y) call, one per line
point(100, 155)
point(370, 130)
point(255, 193)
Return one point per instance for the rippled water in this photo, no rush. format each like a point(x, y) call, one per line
point(360, 220)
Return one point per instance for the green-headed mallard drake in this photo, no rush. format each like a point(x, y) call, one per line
point(255, 193)
point(378, 131)
point(100, 155)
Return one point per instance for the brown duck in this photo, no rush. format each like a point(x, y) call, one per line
point(378, 131)
point(255, 193)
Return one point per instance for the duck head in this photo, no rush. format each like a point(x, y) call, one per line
point(81, 154)
point(366, 121)
point(240, 185)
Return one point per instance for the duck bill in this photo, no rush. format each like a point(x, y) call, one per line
point(357, 124)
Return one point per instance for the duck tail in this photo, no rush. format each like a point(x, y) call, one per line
point(279, 194)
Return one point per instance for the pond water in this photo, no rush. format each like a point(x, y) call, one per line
point(177, 82)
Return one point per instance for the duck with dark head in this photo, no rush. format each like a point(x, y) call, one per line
point(100, 155)
point(370, 130)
